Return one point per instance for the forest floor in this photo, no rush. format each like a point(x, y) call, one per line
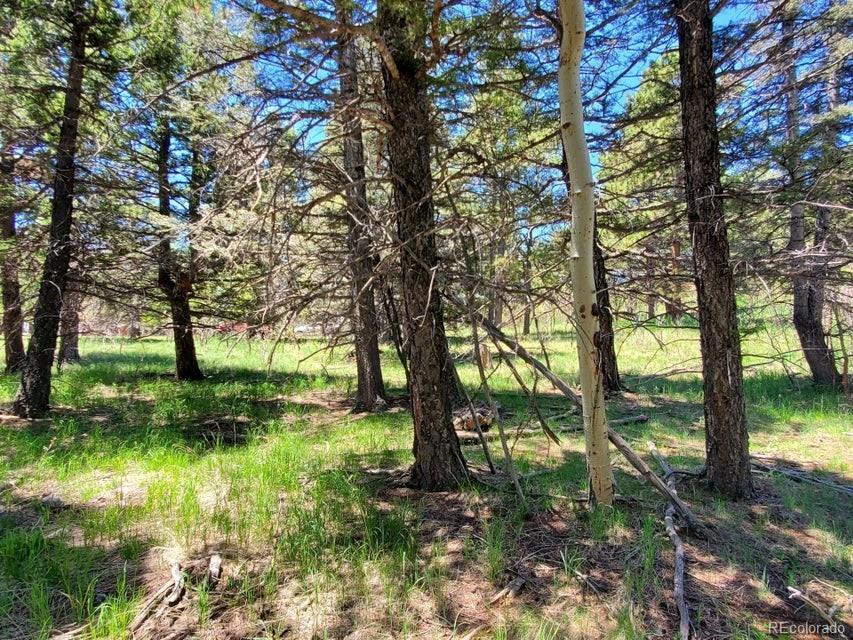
point(265, 468)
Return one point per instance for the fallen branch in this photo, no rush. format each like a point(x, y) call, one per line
point(518, 350)
point(683, 612)
point(175, 585)
point(480, 436)
point(214, 567)
point(530, 397)
point(149, 606)
point(178, 585)
point(484, 379)
point(470, 635)
point(800, 476)
point(684, 511)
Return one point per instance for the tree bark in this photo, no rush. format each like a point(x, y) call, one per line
point(69, 326)
point(607, 346)
point(439, 464)
point(13, 317)
point(584, 288)
point(499, 282)
point(651, 298)
point(175, 282)
point(674, 308)
point(362, 260)
point(808, 288)
point(726, 437)
point(33, 397)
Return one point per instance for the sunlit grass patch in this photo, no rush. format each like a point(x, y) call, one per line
point(264, 461)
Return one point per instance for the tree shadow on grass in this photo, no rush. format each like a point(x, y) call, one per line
point(52, 580)
point(768, 396)
point(133, 418)
point(765, 545)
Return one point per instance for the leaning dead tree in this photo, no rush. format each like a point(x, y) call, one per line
point(582, 264)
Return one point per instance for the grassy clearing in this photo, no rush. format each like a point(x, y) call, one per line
point(263, 463)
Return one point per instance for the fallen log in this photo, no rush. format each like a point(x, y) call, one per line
point(173, 587)
point(799, 595)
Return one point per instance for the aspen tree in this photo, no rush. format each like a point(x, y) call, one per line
point(582, 267)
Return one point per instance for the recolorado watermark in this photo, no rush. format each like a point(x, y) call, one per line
point(794, 628)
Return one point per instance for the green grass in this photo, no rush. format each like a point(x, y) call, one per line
point(135, 467)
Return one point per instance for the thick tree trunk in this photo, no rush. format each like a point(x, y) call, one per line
point(175, 282)
point(186, 361)
point(33, 397)
point(361, 257)
point(726, 437)
point(13, 317)
point(607, 345)
point(808, 287)
point(584, 288)
point(69, 327)
point(439, 464)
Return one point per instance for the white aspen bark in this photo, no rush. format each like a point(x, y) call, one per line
point(583, 278)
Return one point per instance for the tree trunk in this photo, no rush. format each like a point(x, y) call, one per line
point(583, 241)
point(674, 308)
point(33, 397)
point(651, 298)
point(175, 282)
point(455, 394)
point(808, 287)
point(528, 281)
point(362, 260)
point(607, 346)
point(439, 464)
point(69, 327)
point(13, 317)
point(186, 361)
point(726, 437)
point(499, 282)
